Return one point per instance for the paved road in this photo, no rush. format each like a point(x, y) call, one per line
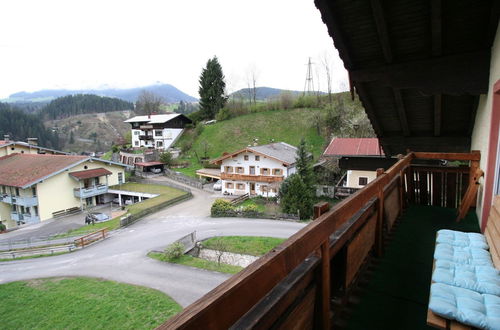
point(122, 257)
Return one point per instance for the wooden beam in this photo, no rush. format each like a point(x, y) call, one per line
point(436, 28)
point(474, 155)
point(454, 74)
point(401, 112)
point(437, 114)
point(399, 144)
point(380, 23)
point(369, 109)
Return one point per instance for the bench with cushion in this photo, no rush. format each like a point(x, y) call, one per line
point(466, 278)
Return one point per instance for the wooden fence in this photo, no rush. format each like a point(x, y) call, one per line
point(292, 286)
point(91, 238)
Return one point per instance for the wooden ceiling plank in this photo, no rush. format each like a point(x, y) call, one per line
point(437, 114)
point(436, 28)
point(454, 74)
point(401, 112)
point(381, 25)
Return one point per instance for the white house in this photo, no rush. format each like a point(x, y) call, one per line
point(157, 131)
point(257, 170)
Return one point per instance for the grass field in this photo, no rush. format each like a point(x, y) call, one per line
point(262, 205)
point(165, 194)
point(251, 245)
point(191, 261)
point(82, 303)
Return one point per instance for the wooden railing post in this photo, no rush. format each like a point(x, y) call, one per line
point(325, 284)
point(380, 216)
point(320, 208)
point(474, 165)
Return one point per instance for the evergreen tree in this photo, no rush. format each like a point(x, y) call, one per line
point(297, 191)
point(71, 138)
point(212, 89)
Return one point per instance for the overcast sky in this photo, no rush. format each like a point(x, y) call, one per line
point(89, 44)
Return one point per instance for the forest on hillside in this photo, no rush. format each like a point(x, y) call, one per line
point(20, 126)
point(71, 105)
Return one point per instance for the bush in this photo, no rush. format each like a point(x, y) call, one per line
point(2, 227)
point(221, 206)
point(174, 250)
point(250, 209)
point(166, 158)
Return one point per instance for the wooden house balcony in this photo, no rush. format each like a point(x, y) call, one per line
point(26, 201)
point(90, 191)
point(146, 137)
point(251, 177)
point(365, 264)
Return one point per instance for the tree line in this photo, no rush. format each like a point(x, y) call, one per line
point(20, 126)
point(71, 105)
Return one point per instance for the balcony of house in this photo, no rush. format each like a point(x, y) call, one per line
point(90, 191)
point(30, 218)
point(146, 137)
point(146, 127)
point(364, 264)
point(20, 200)
point(251, 177)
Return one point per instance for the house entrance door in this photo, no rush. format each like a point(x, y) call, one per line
point(252, 188)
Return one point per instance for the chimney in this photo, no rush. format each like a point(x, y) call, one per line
point(6, 137)
point(33, 141)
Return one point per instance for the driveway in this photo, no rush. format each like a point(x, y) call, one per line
point(123, 257)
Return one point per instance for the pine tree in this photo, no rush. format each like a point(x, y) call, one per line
point(212, 89)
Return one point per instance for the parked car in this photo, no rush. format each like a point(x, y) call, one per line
point(96, 217)
point(218, 185)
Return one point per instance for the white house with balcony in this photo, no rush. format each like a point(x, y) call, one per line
point(157, 131)
point(38, 187)
point(257, 170)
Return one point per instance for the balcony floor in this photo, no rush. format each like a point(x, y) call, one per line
point(396, 293)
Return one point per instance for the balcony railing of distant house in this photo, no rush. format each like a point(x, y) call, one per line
point(251, 177)
point(146, 137)
point(90, 191)
point(20, 200)
point(293, 284)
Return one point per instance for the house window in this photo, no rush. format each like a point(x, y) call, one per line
point(252, 170)
point(159, 144)
point(136, 143)
point(263, 188)
point(325, 190)
point(245, 157)
point(158, 132)
point(273, 190)
point(120, 178)
point(240, 170)
point(36, 210)
point(229, 185)
point(257, 158)
point(136, 132)
point(276, 171)
point(264, 171)
point(33, 191)
point(228, 169)
point(17, 191)
point(363, 181)
point(240, 186)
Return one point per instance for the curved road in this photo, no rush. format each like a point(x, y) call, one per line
point(122, 257)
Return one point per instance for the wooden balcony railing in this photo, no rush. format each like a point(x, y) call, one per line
point(293, 285)
point(251, 177)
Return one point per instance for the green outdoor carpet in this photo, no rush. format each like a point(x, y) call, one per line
point(397, 293)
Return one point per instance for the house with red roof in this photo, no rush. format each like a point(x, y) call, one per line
point(359, 157)
point(36, 187)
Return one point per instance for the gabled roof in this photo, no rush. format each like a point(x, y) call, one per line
point(354, 147)
point(154, 119)
point(4, 144)
point(280, 151)
point(25, 170)
point(88, 174)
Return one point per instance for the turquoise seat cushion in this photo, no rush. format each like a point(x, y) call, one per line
point(458, 238)
point(465, 306)
point(482, 279)
point(463, 255)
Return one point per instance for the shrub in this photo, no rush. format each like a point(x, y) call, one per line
point(166, 158)
point(2, 227)
point(174, 250)
point(221, 206)
point(250, 209)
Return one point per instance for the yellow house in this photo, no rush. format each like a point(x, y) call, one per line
point(8, 147)
point(36, 187)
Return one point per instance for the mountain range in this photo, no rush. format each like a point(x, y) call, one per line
point(169, 93)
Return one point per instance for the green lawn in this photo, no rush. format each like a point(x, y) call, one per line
point(191, 261)
point(263, 205)
point(251, 245)
point(82, 303)
point(165, 194)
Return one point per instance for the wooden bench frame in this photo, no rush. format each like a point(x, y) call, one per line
point(492, 234)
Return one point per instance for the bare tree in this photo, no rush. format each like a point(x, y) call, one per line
point(220, 247)
point(148, 103)
point(325, 61)
point(252, 75)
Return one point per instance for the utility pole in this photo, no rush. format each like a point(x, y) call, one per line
point(309, 83)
